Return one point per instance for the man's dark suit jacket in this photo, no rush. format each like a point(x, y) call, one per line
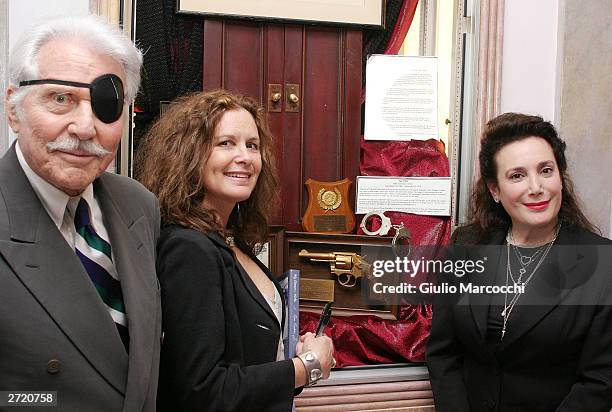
point(556, 354)
point(55, 332)
point(220, 335)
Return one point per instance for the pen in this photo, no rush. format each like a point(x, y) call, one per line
point(324, 319)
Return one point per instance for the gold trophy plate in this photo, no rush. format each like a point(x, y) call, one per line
point(328, 208)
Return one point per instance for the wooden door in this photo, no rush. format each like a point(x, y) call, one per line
point(321, 140)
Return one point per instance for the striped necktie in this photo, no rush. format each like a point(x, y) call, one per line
point(95, 255)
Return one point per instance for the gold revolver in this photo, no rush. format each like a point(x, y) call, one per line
point(347, 266)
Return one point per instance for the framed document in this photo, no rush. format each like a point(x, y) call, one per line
point(363, 13)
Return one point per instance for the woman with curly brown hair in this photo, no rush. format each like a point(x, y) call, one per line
point(543, 342)
point(209, 161)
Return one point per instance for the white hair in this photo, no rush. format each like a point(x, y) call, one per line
point(98, 34)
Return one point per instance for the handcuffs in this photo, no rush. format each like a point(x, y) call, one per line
point(401, 232)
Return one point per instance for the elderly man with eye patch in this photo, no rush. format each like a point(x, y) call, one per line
point(80, 311)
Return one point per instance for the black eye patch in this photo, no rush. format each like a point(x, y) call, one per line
point(106, 94)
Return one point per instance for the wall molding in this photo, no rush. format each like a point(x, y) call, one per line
point(481, 91)
point(488, 83)
point(4, 52)
point(109, 9)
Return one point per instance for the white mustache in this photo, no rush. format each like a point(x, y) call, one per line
point(72, 143)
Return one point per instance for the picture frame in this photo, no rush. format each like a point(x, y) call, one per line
point(362, 13)
point(271, 253)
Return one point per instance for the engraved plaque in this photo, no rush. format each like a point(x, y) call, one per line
point(320, 290)
point(328, 209)
point(329, 223)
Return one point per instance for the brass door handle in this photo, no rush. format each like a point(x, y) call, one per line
point(274, 97)
point(292, 96)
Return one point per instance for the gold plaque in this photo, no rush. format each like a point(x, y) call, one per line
point(320, 290)
point(329, 223)
point(328, 207)
point(329, 199)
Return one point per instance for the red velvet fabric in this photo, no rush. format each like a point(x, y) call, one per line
point(368, 339)
point(402, 25)
point(412, 158)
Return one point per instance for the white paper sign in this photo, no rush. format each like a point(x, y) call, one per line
point(418, 195)
point(401, 98)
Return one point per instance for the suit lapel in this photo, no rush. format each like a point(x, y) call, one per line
point(138, 285)
point(40, 257)
point(246, 279)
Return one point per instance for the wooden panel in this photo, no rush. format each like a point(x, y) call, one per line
point(332, 112)
point(243, 60)
point(344, 398)
point(351, 119)
point(365, 388)
point(321, 98)
point(411, 405)
point(212, 66)
point(406, 396)
point(273, 57)
point(292, 179)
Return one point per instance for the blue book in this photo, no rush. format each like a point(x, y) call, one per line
point(291, 335)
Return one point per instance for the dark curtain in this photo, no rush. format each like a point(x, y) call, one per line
point(172, 46)
point(398, 17)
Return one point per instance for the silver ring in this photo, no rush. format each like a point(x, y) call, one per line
point(333, 364)
point(385, 224)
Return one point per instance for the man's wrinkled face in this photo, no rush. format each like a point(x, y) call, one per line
point(60, 136)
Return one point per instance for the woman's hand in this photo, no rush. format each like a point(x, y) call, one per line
point(322, 347)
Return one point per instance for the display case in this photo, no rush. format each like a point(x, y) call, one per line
point(318, 282)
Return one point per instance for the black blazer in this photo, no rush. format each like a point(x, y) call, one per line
point(221, 337)
point(556, 355)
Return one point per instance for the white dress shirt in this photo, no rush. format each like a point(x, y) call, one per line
point(60, 206)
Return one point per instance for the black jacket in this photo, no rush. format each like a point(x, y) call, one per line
point(221, 337)
point(557, 352)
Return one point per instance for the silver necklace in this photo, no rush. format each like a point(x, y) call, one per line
point(539, 256)
point(524, 260)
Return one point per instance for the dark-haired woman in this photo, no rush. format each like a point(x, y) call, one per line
point(209, 161)
point(549, 347)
